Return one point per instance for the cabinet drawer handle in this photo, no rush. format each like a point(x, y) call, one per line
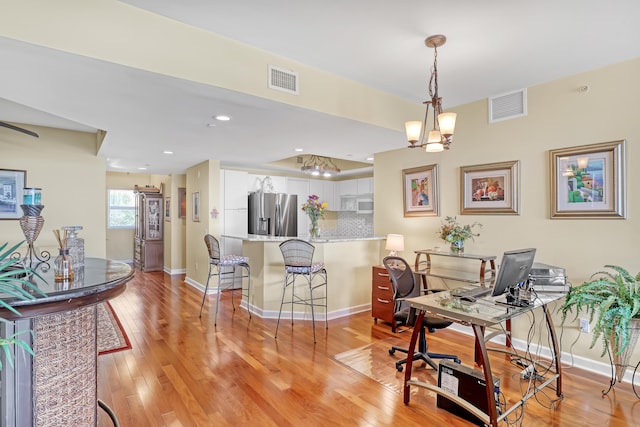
point(384, 288)
point(384, 301)
point(383, 275)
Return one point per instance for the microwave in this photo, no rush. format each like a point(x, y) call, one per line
point(364, 205)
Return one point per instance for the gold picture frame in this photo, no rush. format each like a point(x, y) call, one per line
point(490, 189)
point(588, 181)
point(420, 191)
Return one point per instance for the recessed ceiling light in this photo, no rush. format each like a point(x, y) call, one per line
point(222, 118)
point(370, 159)
point(299, 150)
point(167, 152)
point(142, 169)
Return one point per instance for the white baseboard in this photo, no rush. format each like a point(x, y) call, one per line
point(174, 272)
point(567, 359)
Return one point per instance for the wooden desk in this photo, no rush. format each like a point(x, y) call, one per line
point(484, 312)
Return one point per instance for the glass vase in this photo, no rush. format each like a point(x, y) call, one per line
point(63, 267)
point(314, 231)
point(457, 247)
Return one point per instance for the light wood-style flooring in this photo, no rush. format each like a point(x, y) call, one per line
point(183, 371)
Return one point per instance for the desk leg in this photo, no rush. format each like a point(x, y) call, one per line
point(556, 351)
point(488, 376)
point(412, 348)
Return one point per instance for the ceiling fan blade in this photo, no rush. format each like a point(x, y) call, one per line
point(28, 132)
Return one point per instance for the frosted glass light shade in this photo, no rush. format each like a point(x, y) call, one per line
point(447, 122)
point(434, 147)
point(413, 129)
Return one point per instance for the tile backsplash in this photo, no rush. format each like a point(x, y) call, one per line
point(351, 225)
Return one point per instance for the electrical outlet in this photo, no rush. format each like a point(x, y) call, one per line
point(584, 326)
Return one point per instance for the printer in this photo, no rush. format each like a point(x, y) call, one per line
point(548, 278)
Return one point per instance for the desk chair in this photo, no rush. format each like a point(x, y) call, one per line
point(405, 286)
point(298, 262)
point(225, 268)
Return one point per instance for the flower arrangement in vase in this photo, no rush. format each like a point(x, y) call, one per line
point(315, 210)
point(454, 233)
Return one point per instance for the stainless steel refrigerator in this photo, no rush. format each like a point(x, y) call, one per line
point(273, 214)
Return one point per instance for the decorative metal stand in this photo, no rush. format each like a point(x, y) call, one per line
point(31, 224)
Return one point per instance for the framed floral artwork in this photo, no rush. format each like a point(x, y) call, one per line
point(490, 189)
point(420, 191)
point(588, 181)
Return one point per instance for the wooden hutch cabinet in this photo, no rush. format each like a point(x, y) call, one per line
point(147, 242)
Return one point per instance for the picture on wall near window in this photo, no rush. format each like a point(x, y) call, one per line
point(182, 202)
point(196, 207)
point(588, 181)
point(490, 189)
point(420, 191)
point(167, 209)
point(12, 183)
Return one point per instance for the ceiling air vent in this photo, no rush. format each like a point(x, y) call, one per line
point(508, 106)
point(283, 80)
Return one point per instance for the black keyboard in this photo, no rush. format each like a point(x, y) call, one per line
point(471, 294)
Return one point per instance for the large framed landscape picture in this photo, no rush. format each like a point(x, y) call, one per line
point(12, 183)
point(588, 181)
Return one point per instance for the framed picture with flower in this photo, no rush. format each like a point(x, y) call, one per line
point(490, 189)
point(420, 191)
point(588, 181)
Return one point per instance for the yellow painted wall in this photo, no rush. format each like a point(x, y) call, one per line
point(120, 241)
point(558, 116)
point(72, 178)
point(175, 228)
point(203, 179)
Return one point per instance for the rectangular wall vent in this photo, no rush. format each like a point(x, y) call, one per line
point(508, 106)
point(283, 80)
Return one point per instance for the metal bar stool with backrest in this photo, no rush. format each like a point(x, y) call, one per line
point(405, 286)
point(298, 262)
point(225, 268)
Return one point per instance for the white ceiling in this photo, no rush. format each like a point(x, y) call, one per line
point(493, 47)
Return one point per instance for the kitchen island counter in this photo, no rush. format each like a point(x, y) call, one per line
point(348, 262)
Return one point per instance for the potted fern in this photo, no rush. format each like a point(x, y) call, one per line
point(14, 283)
point(611, 298)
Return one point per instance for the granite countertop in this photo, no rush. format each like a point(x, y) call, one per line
point(329, 239)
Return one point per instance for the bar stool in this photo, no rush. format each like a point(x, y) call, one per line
point(298, 262)
point(225, 268)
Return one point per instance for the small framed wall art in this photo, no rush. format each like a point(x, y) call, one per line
point(196, 207)
point(490, 189)
point(12, 183)
point(588, 181)
point(420, 191)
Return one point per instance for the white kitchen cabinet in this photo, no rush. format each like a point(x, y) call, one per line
point(325, 190)
point(348, 187)
point(365, 186)
point(235, 189)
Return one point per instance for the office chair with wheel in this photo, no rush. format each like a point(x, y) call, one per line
point(406, 286)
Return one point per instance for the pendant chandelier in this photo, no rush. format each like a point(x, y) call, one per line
point(440, 137)
point(319, 165)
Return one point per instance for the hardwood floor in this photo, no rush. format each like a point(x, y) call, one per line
point(181, 371)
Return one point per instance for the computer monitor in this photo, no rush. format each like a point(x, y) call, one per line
point(514, 269)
